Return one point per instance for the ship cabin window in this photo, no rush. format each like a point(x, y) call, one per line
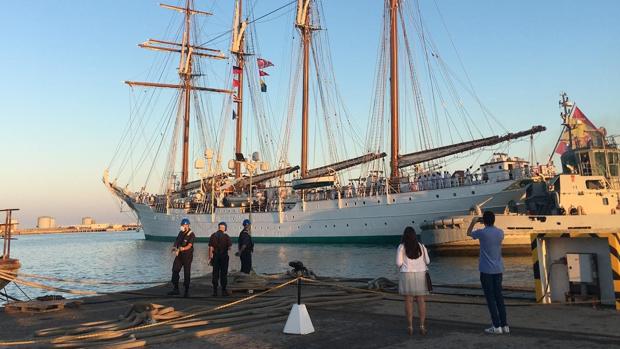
point(613, 164)
point(605, 201)
point(595, 184)
point(585, 164)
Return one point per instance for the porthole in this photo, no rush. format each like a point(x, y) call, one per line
point(473, 192)
point(393, 200)
point(437, 196)
point(347, 224)
point(378, 201)
point(453, 194)
point(409, 198)
point(334, 226)
point(364, 202)
point(385, 223)
point(365, 224)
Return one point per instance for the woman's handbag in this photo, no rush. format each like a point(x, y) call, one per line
point(429, 283)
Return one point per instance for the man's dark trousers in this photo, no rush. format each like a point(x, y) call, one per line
point(183, 260)
point(246, 262)
point(492, 287)
point(220, 271)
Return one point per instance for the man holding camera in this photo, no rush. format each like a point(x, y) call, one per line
point(491, 268)
point(184, 254)
point(219, 244)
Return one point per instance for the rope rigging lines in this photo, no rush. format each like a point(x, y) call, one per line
point(425, 80)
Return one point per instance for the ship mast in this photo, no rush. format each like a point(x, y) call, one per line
point(237, 48)
point(303, 23)
point(394, 116)
point(185, 72)
point(187, 51)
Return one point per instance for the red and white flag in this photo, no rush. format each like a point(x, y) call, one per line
point(263, 63)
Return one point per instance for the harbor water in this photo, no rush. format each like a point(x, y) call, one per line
point(128, 257)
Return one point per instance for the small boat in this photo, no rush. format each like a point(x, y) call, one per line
point(8, 266)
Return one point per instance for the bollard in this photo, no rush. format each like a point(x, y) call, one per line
point(298, 321)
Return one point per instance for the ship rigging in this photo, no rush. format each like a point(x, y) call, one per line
point(346, 168)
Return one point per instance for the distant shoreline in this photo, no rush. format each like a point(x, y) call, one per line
point(73, 230)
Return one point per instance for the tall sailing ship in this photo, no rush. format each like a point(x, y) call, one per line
point(355, 200)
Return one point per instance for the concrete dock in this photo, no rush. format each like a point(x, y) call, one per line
point(455, 319)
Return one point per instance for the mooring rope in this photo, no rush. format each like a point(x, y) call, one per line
point(391, 295)
point(165, 322)
point(85, 280)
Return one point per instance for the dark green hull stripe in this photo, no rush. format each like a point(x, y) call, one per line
point(379, 239)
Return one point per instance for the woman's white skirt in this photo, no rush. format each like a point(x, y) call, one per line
point(412, 283)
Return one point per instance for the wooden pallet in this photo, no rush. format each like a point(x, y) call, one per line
point(41, 306)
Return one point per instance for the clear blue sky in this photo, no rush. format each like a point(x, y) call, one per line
point(63, 104)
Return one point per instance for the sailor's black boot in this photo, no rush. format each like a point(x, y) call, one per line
point(175, 291)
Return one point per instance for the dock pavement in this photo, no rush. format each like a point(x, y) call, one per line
point(454, 320)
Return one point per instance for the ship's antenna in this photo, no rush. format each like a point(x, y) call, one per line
point(567, 105)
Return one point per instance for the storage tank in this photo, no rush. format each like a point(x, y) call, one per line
point(88, 220)
point(46, 222)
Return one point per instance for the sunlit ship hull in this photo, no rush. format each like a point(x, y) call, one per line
point(370, 219)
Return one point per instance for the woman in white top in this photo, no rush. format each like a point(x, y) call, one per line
point(412, 261)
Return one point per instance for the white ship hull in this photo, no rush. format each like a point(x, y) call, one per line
point(371, 219)
point(450, 235)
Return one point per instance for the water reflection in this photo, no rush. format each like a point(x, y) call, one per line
point(128, 257)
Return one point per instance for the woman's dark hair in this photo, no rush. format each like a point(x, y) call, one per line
point(410, 241)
